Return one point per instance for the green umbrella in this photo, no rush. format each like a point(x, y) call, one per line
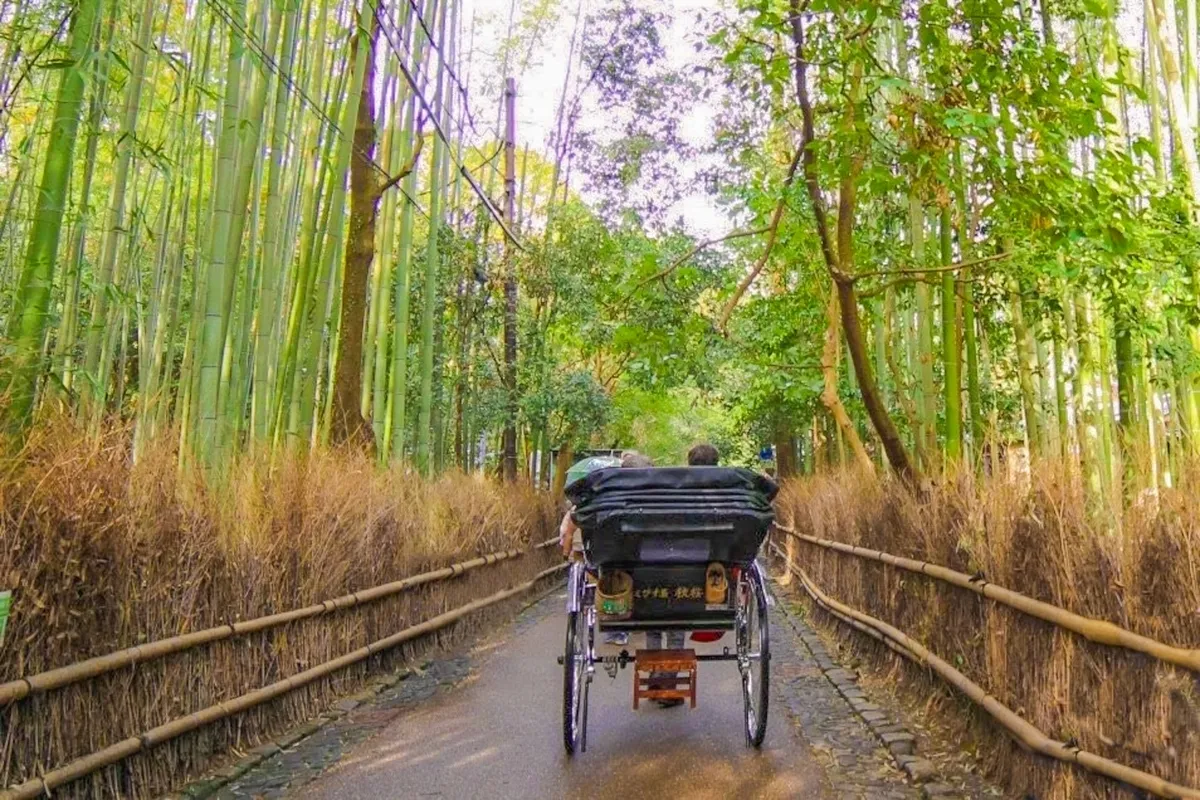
point(589, 464)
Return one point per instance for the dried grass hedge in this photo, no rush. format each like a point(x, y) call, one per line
point(101, 555)
point(1138, 568)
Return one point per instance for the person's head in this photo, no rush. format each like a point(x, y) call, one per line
point(632, 458)
point(703, 455)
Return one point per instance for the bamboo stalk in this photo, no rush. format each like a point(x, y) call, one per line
point(1094, 630)
point(38, 787)
point(1025, 733)
point(99, 665)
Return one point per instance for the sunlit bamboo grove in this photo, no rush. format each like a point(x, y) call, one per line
point(1001, 199)
point(954, 234)
point(247, 224)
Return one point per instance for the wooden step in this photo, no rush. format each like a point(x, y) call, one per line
point(679, 682)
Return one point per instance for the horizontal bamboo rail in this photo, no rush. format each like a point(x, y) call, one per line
point(858, 626)
point(1026, 734)
point(81, 767)
point(82, 670)
point(1094, 630)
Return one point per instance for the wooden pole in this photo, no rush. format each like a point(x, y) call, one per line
point(509, 446)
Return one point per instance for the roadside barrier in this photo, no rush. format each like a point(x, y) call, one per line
point(49, 680)
point(81, 670)
point(1094, 630)
point(1026, 734)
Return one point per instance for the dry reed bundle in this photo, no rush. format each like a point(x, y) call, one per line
point(102, 554)
point(1137, 570)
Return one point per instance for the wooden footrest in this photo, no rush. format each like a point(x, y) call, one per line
point(665, 675)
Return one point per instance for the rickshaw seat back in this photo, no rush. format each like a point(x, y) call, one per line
point(672, 515)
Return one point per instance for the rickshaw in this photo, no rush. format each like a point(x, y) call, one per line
point(668, 549)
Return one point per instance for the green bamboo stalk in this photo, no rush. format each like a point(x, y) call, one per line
point(309, 184)
point(951, 347)
point(189, 379)
point(967, 298)
point(1109, 452)
point(1080, 380)
point(210, 423)
point(429, 298)
point(1029, 396)
point(314, 221)
point(267, 329)
point(377, 334)
point(395, 428)
point(115, 223)
point(397, 417)
point(64, 345)
point(31, 309)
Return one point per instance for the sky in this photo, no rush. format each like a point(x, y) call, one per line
point(540, 87)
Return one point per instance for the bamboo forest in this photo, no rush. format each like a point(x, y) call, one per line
point(932, 231)
point(305, 304)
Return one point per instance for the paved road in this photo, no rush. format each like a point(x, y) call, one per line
point(499, 736)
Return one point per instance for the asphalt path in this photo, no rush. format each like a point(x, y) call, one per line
point(499, 735)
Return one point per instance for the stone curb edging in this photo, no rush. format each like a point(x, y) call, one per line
point(893, 736)
point(215, 781)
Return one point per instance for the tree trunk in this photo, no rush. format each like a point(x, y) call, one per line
point(562, 462)
point(785, 449)
point(829, 395)
point(348, 425)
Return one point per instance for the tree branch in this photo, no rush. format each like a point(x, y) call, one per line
point(772, 234)
point(607, 383)
point(892, 284)
point(683, 259)
point(915, 271)
point(807, 132)
point(407, 168)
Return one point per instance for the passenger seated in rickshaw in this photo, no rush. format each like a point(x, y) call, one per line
point(700, 455)
point(572, 543)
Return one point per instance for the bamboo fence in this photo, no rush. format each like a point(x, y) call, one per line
point(82, 670)
point(43, 784)
point(1025, 734)
point(1094, 630)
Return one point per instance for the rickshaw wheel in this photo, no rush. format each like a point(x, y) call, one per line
point(575, 682)
point(754, 651)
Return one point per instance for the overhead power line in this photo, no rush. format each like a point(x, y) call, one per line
point(388, 30)
point(273, 67)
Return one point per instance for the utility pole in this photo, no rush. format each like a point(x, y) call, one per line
point(509, 445)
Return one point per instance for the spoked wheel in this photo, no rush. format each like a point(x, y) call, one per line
point(754, 653)
point(576, 678)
